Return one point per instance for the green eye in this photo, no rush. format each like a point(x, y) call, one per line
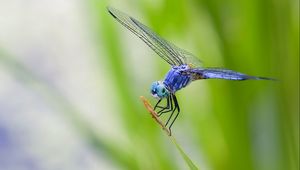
point(163, 90)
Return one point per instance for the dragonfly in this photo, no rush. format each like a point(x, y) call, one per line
point(185, 67)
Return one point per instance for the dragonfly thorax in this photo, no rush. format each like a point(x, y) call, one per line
point(159, 90)
point(176, 79)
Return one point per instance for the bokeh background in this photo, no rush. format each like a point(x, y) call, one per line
point(71, 77)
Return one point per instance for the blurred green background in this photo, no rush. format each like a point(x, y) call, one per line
point(71, 77)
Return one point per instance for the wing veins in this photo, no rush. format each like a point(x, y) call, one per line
point(166, 50)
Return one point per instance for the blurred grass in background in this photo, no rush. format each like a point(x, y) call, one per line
point(222, 125)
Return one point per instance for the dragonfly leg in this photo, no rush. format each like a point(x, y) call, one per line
point(175, 108)
point(164, 108)
point(160, 107)
point(168, 108)
point(157, 104)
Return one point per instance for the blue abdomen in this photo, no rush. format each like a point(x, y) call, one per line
point(174, 80)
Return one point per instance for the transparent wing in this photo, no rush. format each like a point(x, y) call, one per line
point(166, 50)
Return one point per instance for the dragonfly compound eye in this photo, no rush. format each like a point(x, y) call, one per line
point(162, 92)
point(158, 90)
point(153, 89)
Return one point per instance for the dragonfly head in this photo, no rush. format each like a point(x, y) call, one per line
point(159, 90)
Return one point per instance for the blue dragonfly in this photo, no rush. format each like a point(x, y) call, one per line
point(185, 67)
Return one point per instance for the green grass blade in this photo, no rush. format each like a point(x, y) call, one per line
point(184, 155)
